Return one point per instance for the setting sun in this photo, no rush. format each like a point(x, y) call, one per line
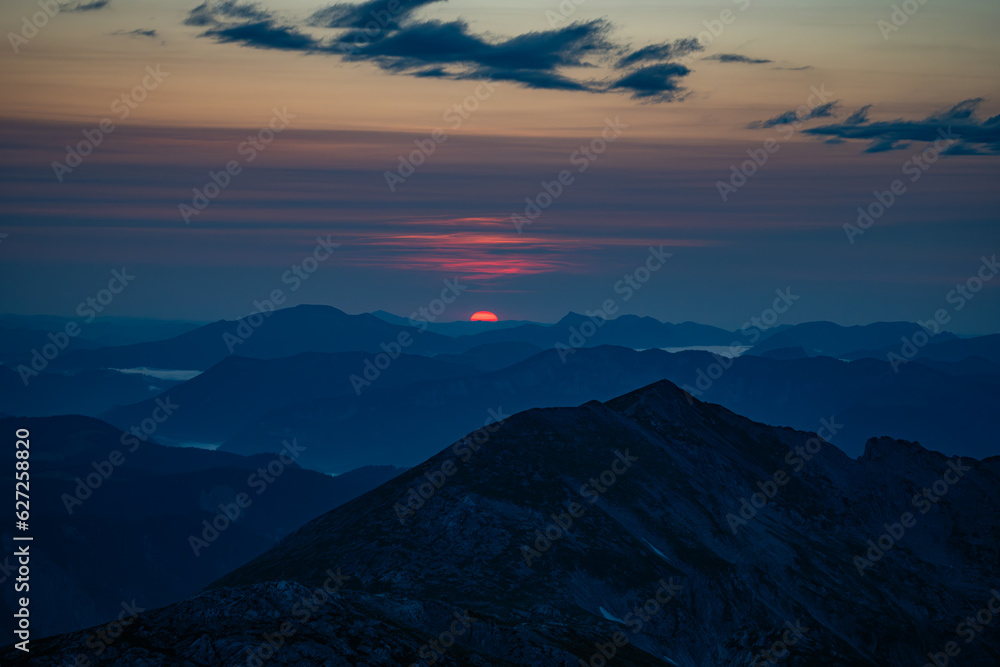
point(484, 316)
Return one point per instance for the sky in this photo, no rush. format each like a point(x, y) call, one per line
point(427, 139)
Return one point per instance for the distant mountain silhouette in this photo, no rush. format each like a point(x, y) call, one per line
point(492, 356)
point(457, 328)
point(128, 539)
point(403, 425)
point(87, 393)
point(940, 349)
point(102, 331)
point(575, 330)
point(833, 340)
point(283, 333)
point(291, 331)
point(626, 529)
point(237, 390)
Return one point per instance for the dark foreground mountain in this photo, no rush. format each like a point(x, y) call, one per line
point(626, 530)
point(115, 530)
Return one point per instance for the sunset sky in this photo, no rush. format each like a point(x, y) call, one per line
point(667, 95)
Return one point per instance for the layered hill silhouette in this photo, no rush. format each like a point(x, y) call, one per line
point(112, 529)
point(983, 348)
point(89, 392)
point(281, 333)
point(292, 331)
point(236, 391)
point(827, 339)
point(575, 330)
point(402, 425)
point(652, 529)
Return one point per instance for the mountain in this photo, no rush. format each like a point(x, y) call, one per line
point(986, 348)
point(112, 528)
point(492, 356)
point(833, 340)
point(458, 328)
point(18, 344)
point(627, 530)
point(575, 330)
point(103, 331)
point(404, 425)
point(86, 393)
point(237, 390)
point(281, 333)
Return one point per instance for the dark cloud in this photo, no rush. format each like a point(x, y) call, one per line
point(439, 43)
point(264, 35)
point(214, 13)
point(655, 83)
point(859, 117)
point(961, 123)
point(797, 115)
point(138, 32)
point(885, 145)
point(737, 58)
point(372, 16)
point(87, 6)
point(661, 52)
point(385, 33)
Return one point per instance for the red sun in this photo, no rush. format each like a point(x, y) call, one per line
point(484, 316)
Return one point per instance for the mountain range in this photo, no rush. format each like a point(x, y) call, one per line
point(651, 529)
point(251, 406)
point(113, 517)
